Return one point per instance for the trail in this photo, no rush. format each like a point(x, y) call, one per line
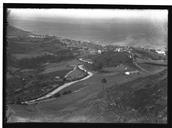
point(90, 74)
point(140, 67)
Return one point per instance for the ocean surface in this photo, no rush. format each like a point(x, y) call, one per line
point(133, 33)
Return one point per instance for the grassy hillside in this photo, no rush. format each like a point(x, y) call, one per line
point(13, 31)
point(26, 59)
point(111, 59)
point(147, 54)
point(37, 65)
point(142, 100)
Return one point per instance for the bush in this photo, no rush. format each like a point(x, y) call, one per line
point(104, 80)
point(67, 92)
point(57, 95)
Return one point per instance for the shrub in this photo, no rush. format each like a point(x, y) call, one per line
point(67, 92)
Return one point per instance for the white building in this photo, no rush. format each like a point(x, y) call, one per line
point(117, 50)
point(131, 72)
point(99, 51)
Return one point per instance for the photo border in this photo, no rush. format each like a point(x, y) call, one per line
point(81, 6)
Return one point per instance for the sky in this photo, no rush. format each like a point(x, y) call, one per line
point(31, 14)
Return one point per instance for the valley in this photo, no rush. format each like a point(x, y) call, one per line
point(53, 79)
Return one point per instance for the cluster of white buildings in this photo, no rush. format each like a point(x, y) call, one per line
point(160, 51)
point(37, 36)
point(117, 50)
point(126, 49)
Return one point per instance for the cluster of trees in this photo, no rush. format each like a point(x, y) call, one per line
point(37, 61)
point(59, 55)
point(15, 47)
point(109, 59)
point(149, 54)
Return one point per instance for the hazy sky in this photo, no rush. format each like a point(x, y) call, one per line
point(118, 26)
point(31, 14)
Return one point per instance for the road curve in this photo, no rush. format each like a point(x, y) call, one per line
point(90, 74)
point(86, 61)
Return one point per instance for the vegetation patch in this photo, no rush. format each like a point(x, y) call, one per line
point(145, 102)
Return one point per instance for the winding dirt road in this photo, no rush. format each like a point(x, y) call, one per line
point(81, 67)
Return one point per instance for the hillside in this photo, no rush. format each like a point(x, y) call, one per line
point(38, 64)
point(141, 100)
point(13, 31)
point(26, 59)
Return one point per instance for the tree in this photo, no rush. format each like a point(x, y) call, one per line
point(97, 66)
point(64, 79)
point(104, 81)
point(18, 101)
point(105, 98)
point(67, 92)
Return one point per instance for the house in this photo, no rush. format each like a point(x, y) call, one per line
point(131, 72)
point(99, 51)
point(117, 50)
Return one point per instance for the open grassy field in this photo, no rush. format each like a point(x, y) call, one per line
point(86, 102)
point(64, 65)
point(150, 61)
